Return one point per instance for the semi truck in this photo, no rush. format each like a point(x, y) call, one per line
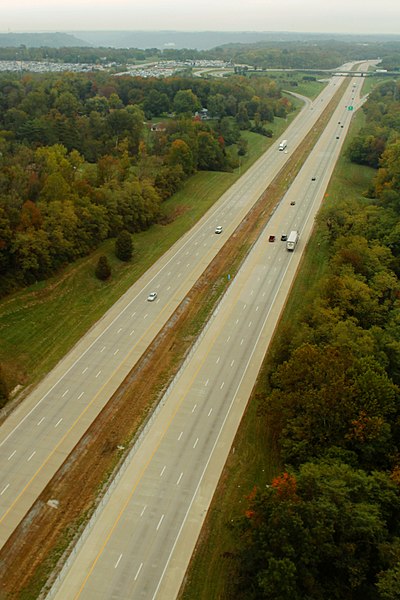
point(282, 145)
point(292, 240)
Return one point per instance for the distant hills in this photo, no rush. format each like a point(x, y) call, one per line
point(38, 40)
point(200, 40)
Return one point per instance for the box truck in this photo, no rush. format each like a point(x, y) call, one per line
point(292, 240)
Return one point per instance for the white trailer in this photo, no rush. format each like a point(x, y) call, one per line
point(282, 145)
point(292, 240)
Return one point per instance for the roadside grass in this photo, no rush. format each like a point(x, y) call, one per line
point(254, 458)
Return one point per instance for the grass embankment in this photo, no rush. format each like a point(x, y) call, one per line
point(254, 460)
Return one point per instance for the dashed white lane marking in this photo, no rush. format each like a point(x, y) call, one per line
point(117, 563)
point(4, 489)
point(146, 315)
point(80, 395)
point(41, 421)
point(237, 321)
point(132, 332)
point(65, 393)
point(143, 510)
point(217, 361)
point(180, 435)
point(241, 341)
point(133, 314)
point(138, 571)
point(84, 370)
point(188, 265)
point(163, 470)
point(222, 385)
point(116, 352)
point(194, 408)
point(244, 306)
point(168, 288)
point(228, 338)
point(233, 362)
point(250, 322)
point(206, 383)
point(159, 522)
point(257, 307)
point(169, 273)
point(32, 455)
point(119, 330)
point(11, 455)
point(252, 292)
point(195, 444)
point(103, 348)
point(179, 479)
point(98, 374)
point(58, 422)
point(209, 412)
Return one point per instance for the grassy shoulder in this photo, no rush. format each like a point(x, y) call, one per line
point(254, 459)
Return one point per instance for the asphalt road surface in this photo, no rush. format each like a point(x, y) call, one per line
point(139, 545)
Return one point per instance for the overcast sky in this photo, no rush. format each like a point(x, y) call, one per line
point(336, 16)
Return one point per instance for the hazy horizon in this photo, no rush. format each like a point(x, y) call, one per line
point(309, 16)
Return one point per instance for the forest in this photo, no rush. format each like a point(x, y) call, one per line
point(81, 158)
point(328, 525)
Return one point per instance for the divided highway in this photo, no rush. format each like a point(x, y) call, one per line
point(40, 433)
point(140, 544)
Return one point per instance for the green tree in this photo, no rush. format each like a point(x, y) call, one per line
point(186, 102)
point(103, 269)
point(123, 246)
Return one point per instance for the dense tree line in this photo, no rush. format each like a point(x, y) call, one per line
point(79, 163)
point(307, 53)
point(329, 525)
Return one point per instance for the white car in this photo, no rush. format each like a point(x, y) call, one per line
point(152, 296)
point(218, 229)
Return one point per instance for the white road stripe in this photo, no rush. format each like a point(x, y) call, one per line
point(180, 435)
point(195, 444)
point(116, 352)
point(117, 563)
point(11, 455)
point(32, 455)
point(138, 571)
point(162, 471)
point(209, 412)
point(84, 370)
point(143, 510)
point(58, 422)
point(132, 332)
point(194, 408)
point(98, 374)
point(4, 489)
point(103, 348)
point(41, 421)
point(80, 395)
point(222, 385)
point(65, 393)
point(179, 479)
point(159, 522)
